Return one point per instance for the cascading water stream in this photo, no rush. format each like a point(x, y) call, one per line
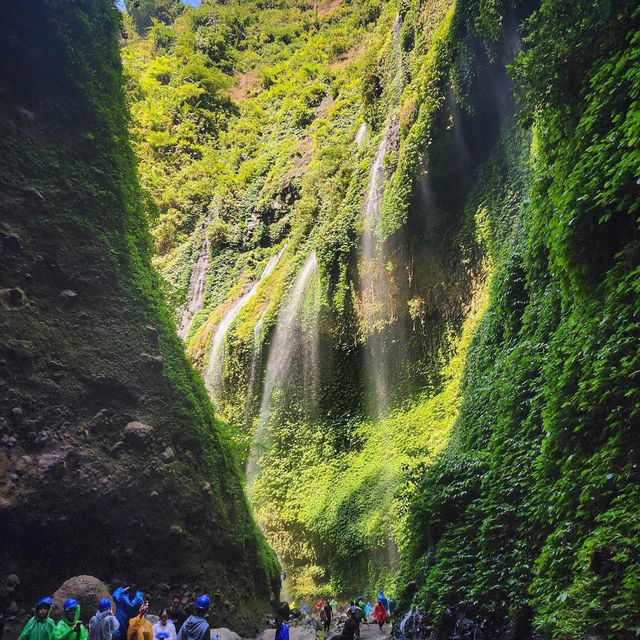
point(376, 302)
point(213, 373)
point(295, 335)
point(375, 288)
point(362, 131)
point(195, 294)
point(256, 363)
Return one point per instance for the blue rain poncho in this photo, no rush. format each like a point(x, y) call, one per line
point(126, 608)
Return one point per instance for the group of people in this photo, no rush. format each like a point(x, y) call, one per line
point(127, 622)
point(357, 612)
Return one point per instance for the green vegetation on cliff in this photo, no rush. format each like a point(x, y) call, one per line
point(117, 464)
point(457, 395)
point(532, 506)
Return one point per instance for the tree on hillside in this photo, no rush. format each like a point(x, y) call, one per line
point(144, 12)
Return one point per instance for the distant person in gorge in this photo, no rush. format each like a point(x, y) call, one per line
point(284, 611)
point(41, 626)
point(139, 627)
point(196, 627)
point(69, 626)
point(356, 615)
point(392, 610)
point(177, 613)
point(128, 602)
point(303, 608)
point(104, 624)
point(164, 626)
point(328, 614)
point(380, 614)
point(363, 608)
point(334, 606)
point(349, 629)
point(282, 629)
point(383, 599)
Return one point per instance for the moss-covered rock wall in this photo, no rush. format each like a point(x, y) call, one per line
point(112, 461)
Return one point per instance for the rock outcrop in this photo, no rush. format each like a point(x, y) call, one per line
point(111, 462)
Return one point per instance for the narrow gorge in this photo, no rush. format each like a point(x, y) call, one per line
point(344, 290)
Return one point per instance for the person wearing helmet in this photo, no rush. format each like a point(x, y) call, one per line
point(128, 602)
point(196, 627)
point(41, 626)
point(103, 625)
point(69, 627)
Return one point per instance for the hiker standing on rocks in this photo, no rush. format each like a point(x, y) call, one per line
point(128, 602)
point(282, 630)
point(164, 626)
point(177, 613)
point(139, 627)
point(196, 627)
point(41, 626)
point(328, 612)
point(104, 624)
point(69, 627)
point(356, 615)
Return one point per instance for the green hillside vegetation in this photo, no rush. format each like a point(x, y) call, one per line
point(501, 474)
point(91, 364)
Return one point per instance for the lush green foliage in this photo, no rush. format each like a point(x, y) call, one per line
point(64, 87)
point(529, 506)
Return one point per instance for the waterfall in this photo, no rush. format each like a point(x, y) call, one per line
point(295, 340)
point(375, 288)
point(256, 363)
point(360, 134)
point(214, 371)
point(195, 294)
point(377, 308)
point(404, 621)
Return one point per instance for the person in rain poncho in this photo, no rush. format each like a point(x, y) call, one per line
point(380, 614)
point(282, 629)
point(383, 599)
point(164, 629)
point(69, 627)
point(41, 626)
point(196, 627)
point(128, 602)
point(104, 624)
point(139, 627)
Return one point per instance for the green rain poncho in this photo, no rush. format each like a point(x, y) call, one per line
point(38, 629)
point(64, 628)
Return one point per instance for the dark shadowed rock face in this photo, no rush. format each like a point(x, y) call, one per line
point(110, 463)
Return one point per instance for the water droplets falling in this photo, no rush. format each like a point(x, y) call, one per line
point(195, 295)
point(293, 355)
point(215, 367)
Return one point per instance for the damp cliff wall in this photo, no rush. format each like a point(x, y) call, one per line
point(112, 461)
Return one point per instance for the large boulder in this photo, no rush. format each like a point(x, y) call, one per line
point(224, 634)
point(87, 590)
